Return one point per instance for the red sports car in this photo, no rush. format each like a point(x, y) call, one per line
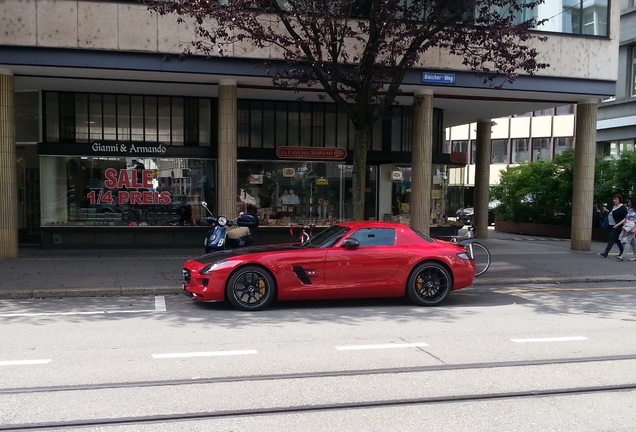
point(347, 260)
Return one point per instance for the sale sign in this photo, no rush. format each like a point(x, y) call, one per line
point(129, 179)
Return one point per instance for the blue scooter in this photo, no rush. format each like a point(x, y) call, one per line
point(228, 234)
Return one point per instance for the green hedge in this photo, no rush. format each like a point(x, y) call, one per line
point(541, 191)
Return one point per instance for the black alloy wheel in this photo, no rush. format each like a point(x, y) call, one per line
point(250, 288)
point(429, 284)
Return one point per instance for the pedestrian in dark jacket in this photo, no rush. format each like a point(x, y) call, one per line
point(615, 215)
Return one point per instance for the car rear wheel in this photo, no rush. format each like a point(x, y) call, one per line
point(250, 288)
point(429, 284)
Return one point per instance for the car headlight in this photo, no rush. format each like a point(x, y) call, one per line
point(210, 268)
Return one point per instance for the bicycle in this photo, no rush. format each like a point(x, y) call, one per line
point(476, 251)
point(306, 231)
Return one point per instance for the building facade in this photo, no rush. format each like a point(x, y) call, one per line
point(106, 143)
point(617, 114)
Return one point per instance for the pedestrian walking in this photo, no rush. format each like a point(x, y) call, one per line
point(628, 231)
point(615, 215)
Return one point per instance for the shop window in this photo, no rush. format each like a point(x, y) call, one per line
point(285, 192)
point(112, 191)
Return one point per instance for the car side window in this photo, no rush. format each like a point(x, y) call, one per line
point(375, 236)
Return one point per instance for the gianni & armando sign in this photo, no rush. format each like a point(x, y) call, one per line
point(113, 148)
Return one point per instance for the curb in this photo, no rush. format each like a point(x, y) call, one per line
point(42, 293)
point(6, 294)
point(554, 280)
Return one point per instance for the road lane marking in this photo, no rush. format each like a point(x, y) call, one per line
point(203, 354)
point(23, 362)
point(553, 339)
point(160, 303)
point(381, 346)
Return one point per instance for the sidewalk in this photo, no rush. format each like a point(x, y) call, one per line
point(516, 259)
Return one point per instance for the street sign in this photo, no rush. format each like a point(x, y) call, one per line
point(438, 78)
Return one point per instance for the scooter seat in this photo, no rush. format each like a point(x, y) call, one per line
point(238, 232)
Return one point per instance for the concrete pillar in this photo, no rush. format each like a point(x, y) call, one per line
point(482, 178)
point(8, 175)
point(228, 140)
point(421, 162)
point(584, 163)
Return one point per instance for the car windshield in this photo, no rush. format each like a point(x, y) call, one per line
point(326, 238)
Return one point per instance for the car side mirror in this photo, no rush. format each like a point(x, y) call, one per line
point(351, 243)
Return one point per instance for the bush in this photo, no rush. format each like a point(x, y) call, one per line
point(541, 192)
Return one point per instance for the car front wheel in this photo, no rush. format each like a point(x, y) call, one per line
point(250, 288)
point(429, 284)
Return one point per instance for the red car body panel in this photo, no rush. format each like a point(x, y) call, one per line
point(305, 273)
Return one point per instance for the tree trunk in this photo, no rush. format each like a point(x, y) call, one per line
point(362, 136)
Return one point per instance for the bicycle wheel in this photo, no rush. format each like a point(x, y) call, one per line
point(480, 255)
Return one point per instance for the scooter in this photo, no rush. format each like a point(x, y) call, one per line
point(228, 234)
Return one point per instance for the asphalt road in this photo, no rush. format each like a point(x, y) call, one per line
point(502, 357)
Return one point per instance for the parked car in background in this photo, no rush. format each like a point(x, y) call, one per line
point(465, 215)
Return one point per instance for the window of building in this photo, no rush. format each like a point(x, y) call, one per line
point(561, 144)
point(541, 149)
point(112, 191)
point(459, 146)
point(519, 150)
point(499, 151)
point(89, 117)
point(626, 145)
point(633, 72)
point(565, 109)
point(284, 192)
point(584, 17)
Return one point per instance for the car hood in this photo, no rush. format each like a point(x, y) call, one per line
point(231, 253)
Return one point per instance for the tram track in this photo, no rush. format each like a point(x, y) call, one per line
point(324, 374)
point(293, 407)
point(211, 415)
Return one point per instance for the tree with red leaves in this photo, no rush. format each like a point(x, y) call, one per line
point(358, 51)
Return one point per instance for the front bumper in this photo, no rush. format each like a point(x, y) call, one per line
point(202, 287)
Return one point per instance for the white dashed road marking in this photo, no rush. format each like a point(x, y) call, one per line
point(23, 362)
point(554, 339)
point(382, 346)
point(203, 354)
